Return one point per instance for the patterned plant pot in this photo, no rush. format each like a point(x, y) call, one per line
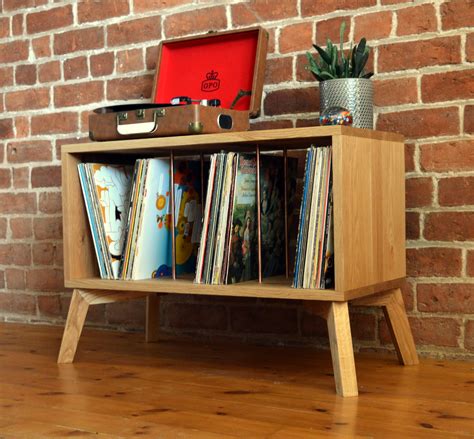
point(354, 94)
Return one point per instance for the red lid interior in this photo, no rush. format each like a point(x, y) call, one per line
point(215, 67)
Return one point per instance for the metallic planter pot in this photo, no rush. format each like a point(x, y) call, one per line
point(354, 94)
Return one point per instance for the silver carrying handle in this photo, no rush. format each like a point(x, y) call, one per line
point(136, 128)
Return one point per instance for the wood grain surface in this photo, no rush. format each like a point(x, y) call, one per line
point(122, 387)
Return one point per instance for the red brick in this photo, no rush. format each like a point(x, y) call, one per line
point(456, 191)
point(45, 279)
point(151, 57)
point(415, 124)
point(6, 128)
point(15, 278)
point(156, 5)
point(47, 20)
point(412, 225)
point(270, 124)
point(42, 46)
point(330, 29)
point(13, 51)
point(4, 27)
point(21, 177)
point(130, 314)
point(31, 98)
point(12, 5)
point(17, 24)
point(419, 192)
point(81, 39)
point(6, 76)
point(269, 320)
point(44, 253)
point(130, 88)
point(313, 326)
point(85, 121)
point(22, 127)
point(409, 157)
point(196, 316)
point(387, 92)
point(435, 331)
point(417, 54)
point(296, 37)
point(296, 100)
point(469, 335)
point(55, 123)
point(256, 11)
point(49, 71)
point(102, 64)
point(49, 305)
point(457, 13)
point(17, 303)
point(2, 279)
point(15, 254)
point(319, 7)
point(455, 298)
point(29, 151)
point(47, 228)
point(449, 226)
point(469, 119)
point(373, 26)
point(46, 176)
point(3, 228)
point(470, 263)
point(470, 48)
point(25, 74)
point(279, 70)
point(21, 228)
point(302, 73)
point(362, 326)
point(17, 203)
point(433, 262)
point(90, 10)
point(408, 294)
point(5, 178)
point(78, 94)
point(50, 202)
point(69, 141)
point(134, 31)
point(449, 156)
point(447, 86)
point(198, 20)
point(130, 60)
point(75, 68)
point(416, 20)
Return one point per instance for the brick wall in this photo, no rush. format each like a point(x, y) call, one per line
point(58, 60)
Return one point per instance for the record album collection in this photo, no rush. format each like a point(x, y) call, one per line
point(129, 212)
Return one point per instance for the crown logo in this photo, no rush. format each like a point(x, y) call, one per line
point(211, 83)
point(211, 75)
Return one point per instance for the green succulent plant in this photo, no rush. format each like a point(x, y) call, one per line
point(334, 64)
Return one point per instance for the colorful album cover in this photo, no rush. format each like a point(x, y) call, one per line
point(112, 185)
point(153, 248)
point(188, 214)
point(243, 257)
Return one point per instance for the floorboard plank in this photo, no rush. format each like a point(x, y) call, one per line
point(122, 387)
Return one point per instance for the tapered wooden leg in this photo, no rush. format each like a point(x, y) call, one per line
point(397, 322)
point(342, 353)
point(152, 317)
point(400, 330)
point(74, 324)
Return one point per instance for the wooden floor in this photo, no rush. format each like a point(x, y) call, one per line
point(122, 387)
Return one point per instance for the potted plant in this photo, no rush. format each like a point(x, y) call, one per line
point(343, 79)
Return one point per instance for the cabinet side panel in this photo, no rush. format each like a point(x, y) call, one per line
point(369, 211)
point(79, 256)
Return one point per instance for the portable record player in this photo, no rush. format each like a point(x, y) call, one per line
point(206, 84)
